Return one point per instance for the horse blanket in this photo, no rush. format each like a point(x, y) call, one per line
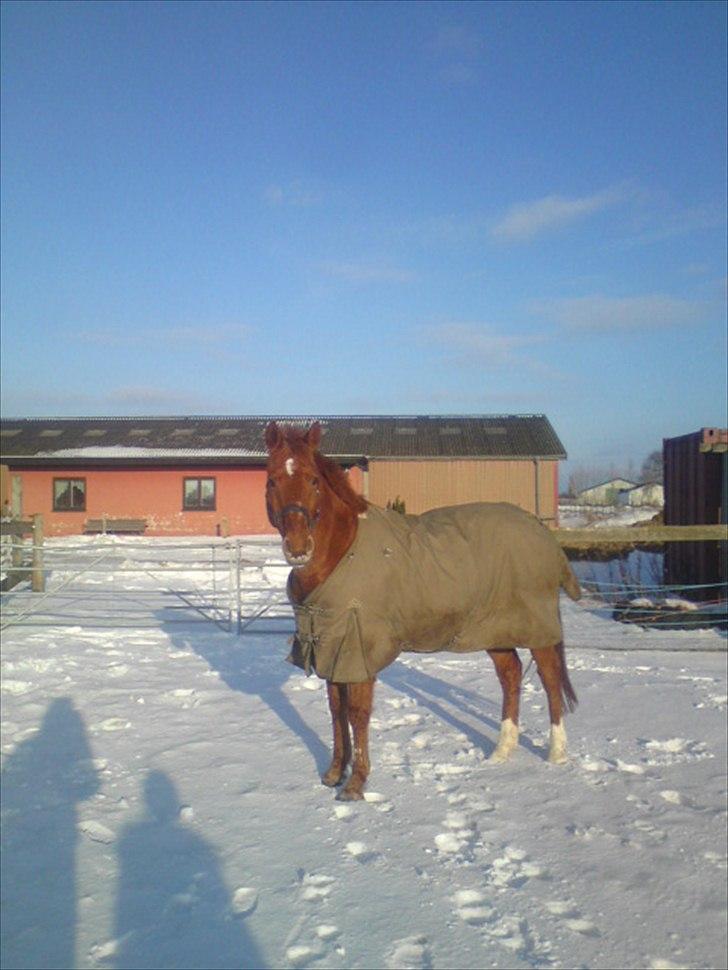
point(470, 577)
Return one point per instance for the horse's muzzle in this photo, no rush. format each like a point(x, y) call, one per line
point(300, 556)
point(298, 559)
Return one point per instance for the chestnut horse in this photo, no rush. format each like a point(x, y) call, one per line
point(315, 509)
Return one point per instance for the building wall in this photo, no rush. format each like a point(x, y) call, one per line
point(695, 480)
point(428, 484)
point(155, 494)
point(607, 493)
point(4, 486)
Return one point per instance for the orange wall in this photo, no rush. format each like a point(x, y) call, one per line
point(155, 494)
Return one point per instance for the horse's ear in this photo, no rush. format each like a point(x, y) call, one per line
point(313, 436)
point(273, 436)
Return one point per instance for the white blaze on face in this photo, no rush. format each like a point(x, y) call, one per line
point(290, 466)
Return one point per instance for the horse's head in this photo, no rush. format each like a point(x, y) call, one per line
point(293, 488)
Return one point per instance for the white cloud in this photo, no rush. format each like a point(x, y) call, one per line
point(459, 53)
point(178, 337)
point(481, 345)
point(525, 221)
point(606, 313)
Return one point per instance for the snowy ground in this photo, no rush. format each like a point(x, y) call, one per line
point(161, 803)
point(604, 516)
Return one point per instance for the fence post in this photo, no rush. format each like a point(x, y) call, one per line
point(37, 574)
point(16, 551)
point(231, 585)
point(237, 570)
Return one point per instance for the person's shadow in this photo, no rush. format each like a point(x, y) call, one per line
point(42, 782)
point(173, 909)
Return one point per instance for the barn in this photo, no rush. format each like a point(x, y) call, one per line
point(604, 493)
point(206, 475)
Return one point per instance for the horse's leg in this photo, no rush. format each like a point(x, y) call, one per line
point(549, 662)
point(361, 697)
point(338, 705)
point(508, 667)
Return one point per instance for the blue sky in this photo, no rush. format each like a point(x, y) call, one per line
point(362, 208)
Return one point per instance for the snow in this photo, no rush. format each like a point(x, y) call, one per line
point(604, 516)
point(139, 451)
point(162, 808)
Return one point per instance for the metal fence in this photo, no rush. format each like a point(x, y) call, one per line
point(115, 581)
point(239, 585)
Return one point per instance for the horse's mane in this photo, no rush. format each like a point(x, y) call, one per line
point(338, 482)
point(333, 474)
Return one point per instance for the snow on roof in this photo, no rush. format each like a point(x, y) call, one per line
point(128, 451)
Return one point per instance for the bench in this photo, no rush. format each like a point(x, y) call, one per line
point(106, 524)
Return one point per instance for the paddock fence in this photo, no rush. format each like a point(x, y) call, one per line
point(239, 585)
point(125, 581)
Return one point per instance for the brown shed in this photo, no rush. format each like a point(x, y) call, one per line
point(696, 477)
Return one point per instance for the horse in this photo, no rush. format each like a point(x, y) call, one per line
point(507, 570)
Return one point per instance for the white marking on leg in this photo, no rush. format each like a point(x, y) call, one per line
point(557, 749)
point(290, 467)
point(507, 741)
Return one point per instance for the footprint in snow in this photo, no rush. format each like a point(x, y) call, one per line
point(112, 724)
point(567, 911)
point(674, 751)
point(244, 900)
point(301, 955)
point(409, 953)
point(515, 935)
point(513, 869)
point(379, 801)
point(360, 851)
point(460, 836)
point(469, 906)
point(315, 887)
point(317, 938)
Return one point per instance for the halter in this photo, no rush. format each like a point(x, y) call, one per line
point(311, 518)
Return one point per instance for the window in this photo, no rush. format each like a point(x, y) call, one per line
point(199, 493)
point(69, 494)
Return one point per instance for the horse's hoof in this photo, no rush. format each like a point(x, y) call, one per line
point(558, 758)
point(332, 778)
point(347, 795)
point(499, 757)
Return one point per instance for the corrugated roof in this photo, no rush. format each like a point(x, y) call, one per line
point(345, 437)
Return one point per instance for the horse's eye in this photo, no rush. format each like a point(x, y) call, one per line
point(314, 481)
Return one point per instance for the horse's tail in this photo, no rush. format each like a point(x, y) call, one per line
point(569, 582)
point(568, 693)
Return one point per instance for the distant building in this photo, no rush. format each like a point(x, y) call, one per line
point(206, 475)
point(696, 477)
point(605, 493)
point(649, 493)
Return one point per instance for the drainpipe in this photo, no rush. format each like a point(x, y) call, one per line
point(535, 479)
